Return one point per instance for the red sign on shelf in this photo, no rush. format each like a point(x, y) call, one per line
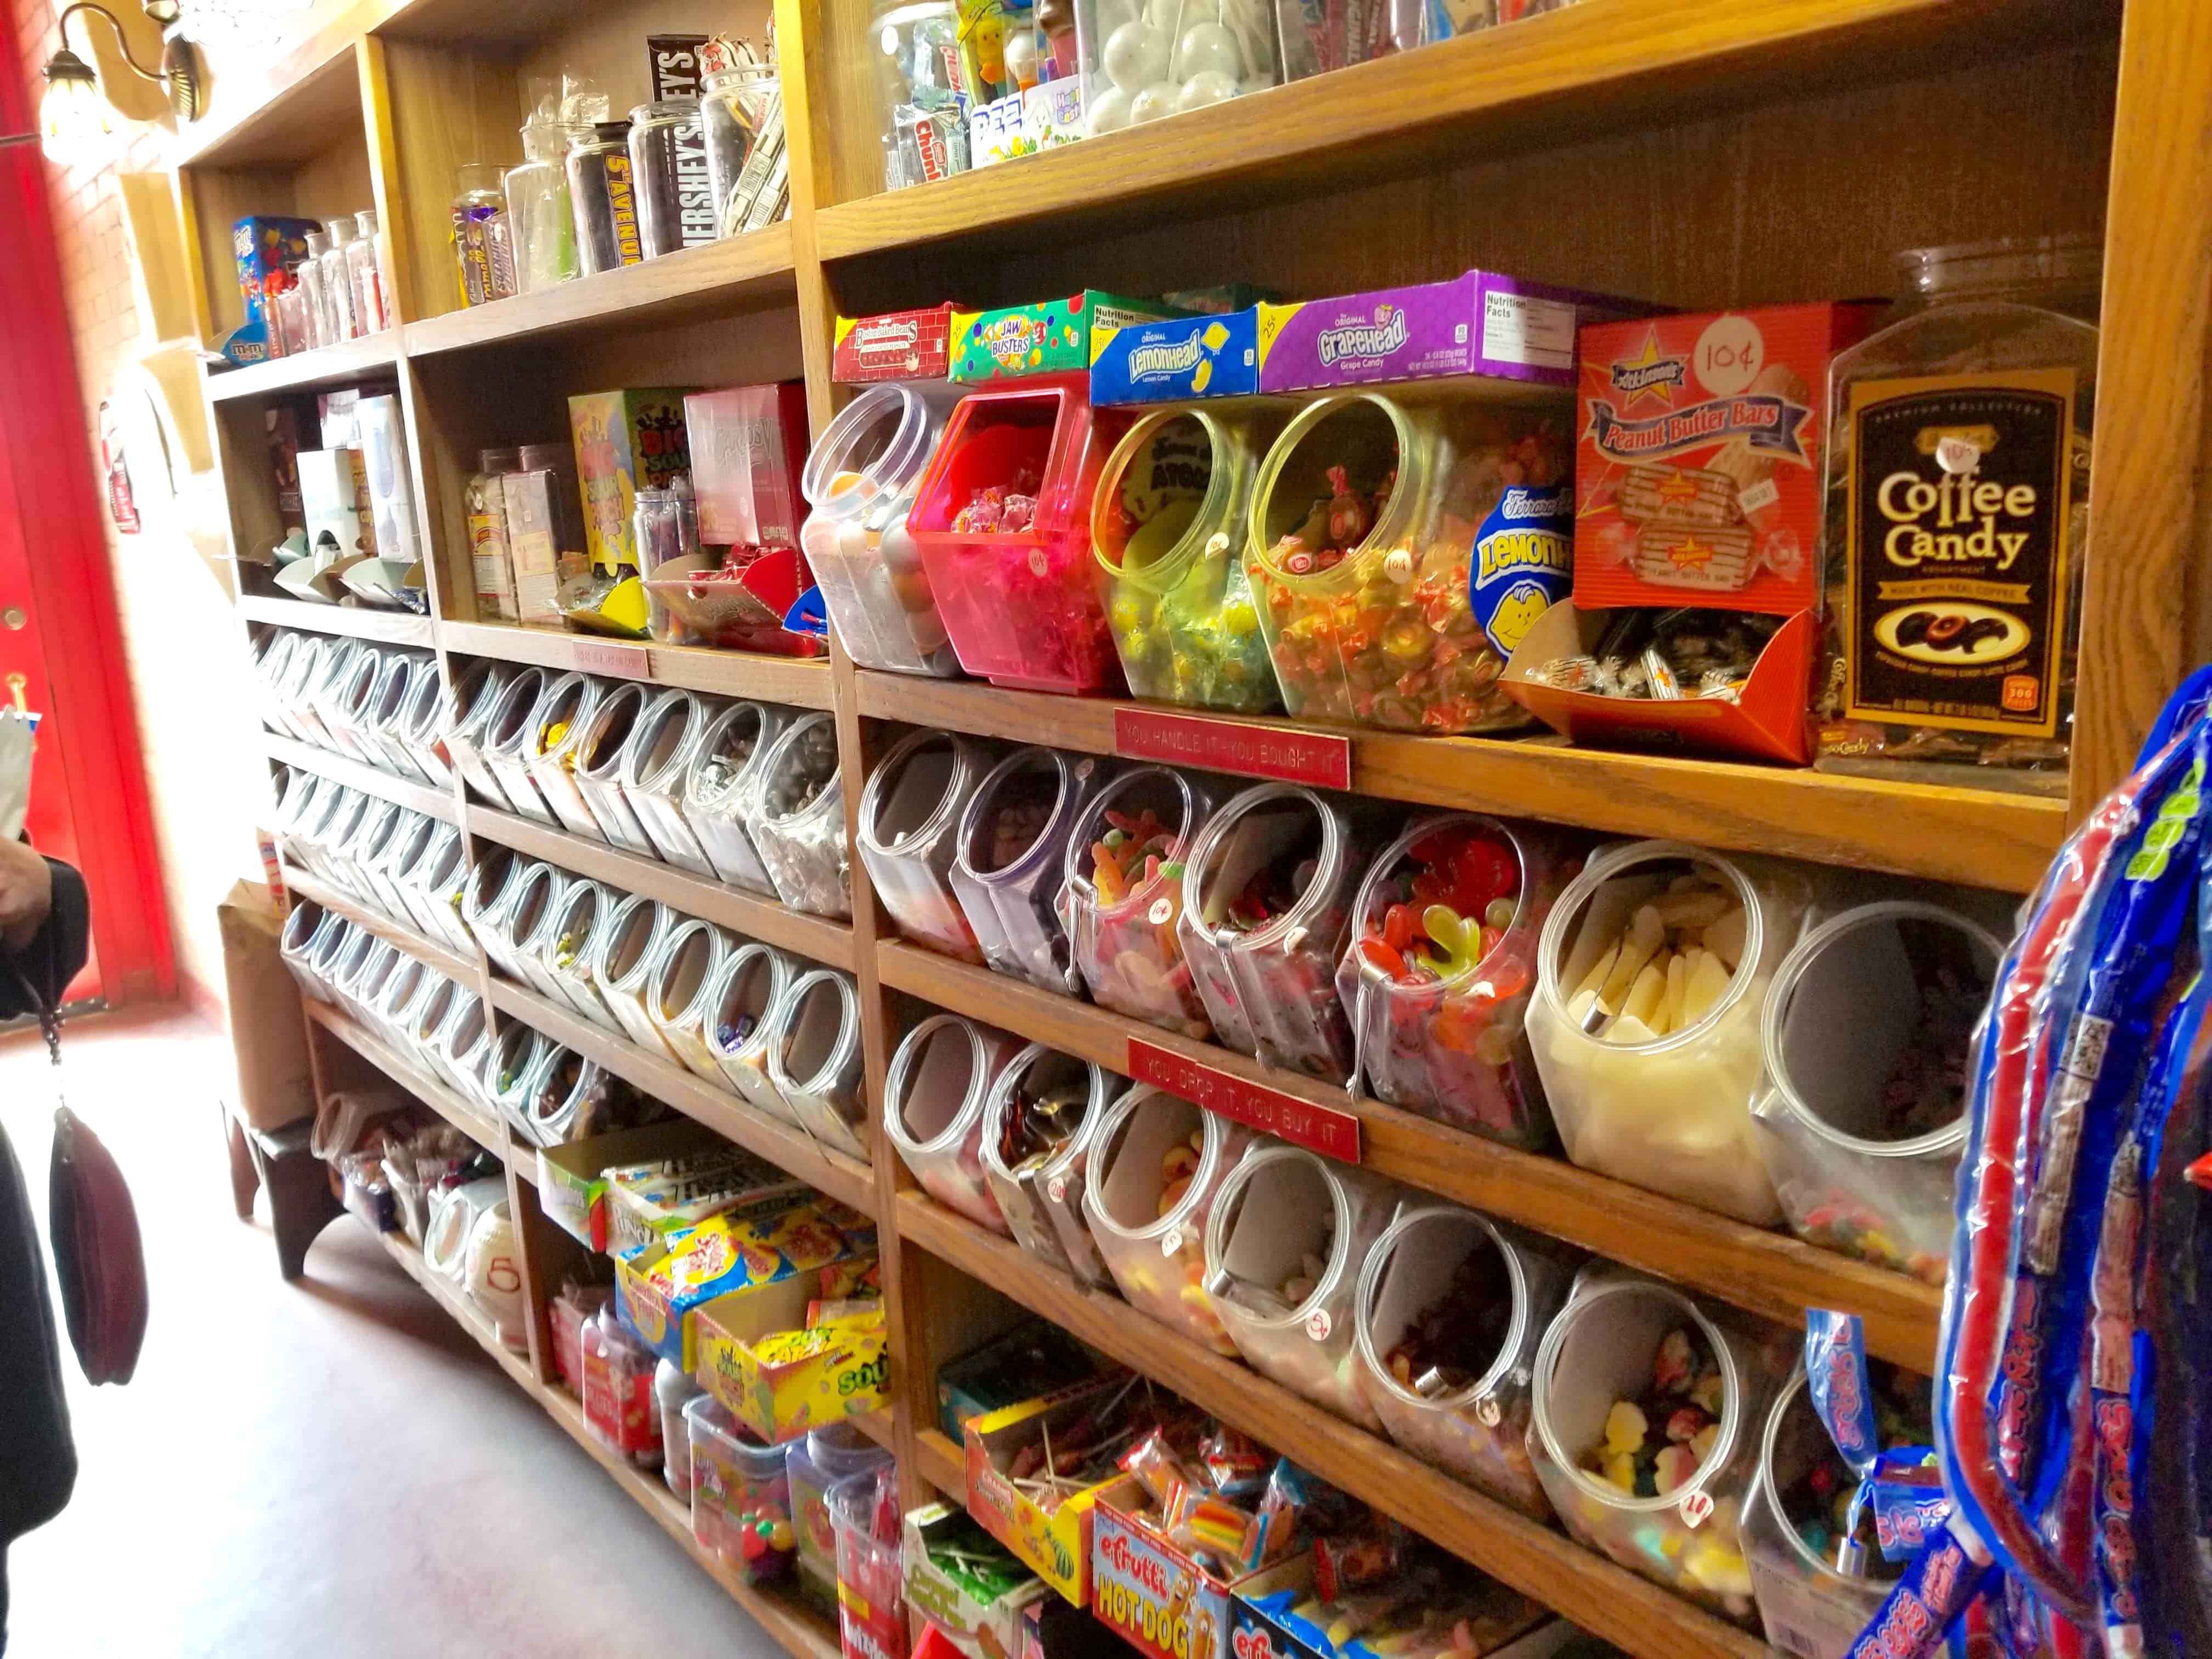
point(1246, 747)
point(593, 657)
point(1321, 1129)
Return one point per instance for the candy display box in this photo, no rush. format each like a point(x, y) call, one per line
point(1056, 1544)
point(1010, 1369)
point(661, 1289)
point(895, 345)
point(1149, 1591)
point(781, 1382)
point(641, 1212)
point(1002, 520)
point(1048, 337)
point(625, 441)
point(746, 444)
point(572, 1186)
point(1166, 361)
point(979, 1629)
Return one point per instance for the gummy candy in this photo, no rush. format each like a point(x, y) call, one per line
point(1655, 1443)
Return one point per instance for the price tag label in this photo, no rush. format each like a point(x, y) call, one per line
point(605, 657)
point(1247, 748)
point(1317, 1128)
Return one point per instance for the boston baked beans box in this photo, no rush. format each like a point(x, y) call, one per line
point(898, 345)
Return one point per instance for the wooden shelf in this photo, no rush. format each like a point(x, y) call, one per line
point(387, 627)
point(877, 1426)
point(940, 1461)
point(329, 764)
point(763, 919)
point(1602, 1598)
point(1603, 66)
point(327, 365)
point(1769, 1272)
point(722, 277)
point(799, 682)
point(788, 1147)
point(1979, 837)
point(469, 971)
point(485, 1132)
point(465, 1313)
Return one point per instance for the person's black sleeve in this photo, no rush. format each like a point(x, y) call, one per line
point(42, 969)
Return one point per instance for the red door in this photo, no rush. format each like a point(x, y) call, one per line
point(58, 628)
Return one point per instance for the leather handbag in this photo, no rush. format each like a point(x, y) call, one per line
point(99, 1256)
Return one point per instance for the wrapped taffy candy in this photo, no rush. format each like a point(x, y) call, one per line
point(1121, 897)
point(1361, 546)
point(1652, 976)
point(1450, 1307)
point(1440, 970)
point(1646, 1411)
point(1168, 526)
point(1156, 1163)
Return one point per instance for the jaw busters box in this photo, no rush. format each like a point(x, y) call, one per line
point(1697, 466)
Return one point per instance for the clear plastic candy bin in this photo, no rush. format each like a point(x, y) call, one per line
point(602, 747)
point(870, 1566)
point(1284, 1241)
point(939, 1082)
point(551, 749)
point(1044, 1108)
point(1168, 527)
point(1361, 541)
point(740, 1495)
point(1473, 1297)
point(1805, 1605)
point(1600, 1351)
point(746, 1009)
point(678, 997)
point(565, 947)
point(655, 764)
point(1003, 522)
point(1672, 1111)
point(832, 1453)
point(861, 477)
point(909, 818)
point(1267, 903)
point(814, 1059)
point(796, 815)
point(1439, 1002)
point(1156, 1163)
point(1860, 1114)
point(1121, 897)
point(625, 949)
point(724, 767)
point(1012, 843)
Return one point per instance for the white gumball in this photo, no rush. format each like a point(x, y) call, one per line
point(1136, 55)
point(1109, 112)
point(1022, 58)
point(1151, 103)
point(1208, 46)
point(1207, 87)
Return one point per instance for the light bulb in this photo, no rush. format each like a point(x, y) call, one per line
point(75, 126)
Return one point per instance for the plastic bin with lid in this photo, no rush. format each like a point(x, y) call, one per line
point(420, 727)
point(862, 475)
point(602, 749)
point(740, 1495)
point(1168, 529)
point(431, 1012)
point(357, 989)
point(1285, 1237)
point(1440, 969)
point(677, 998)
point(459, 1043)
point(747, 1010)
point(333, 845)
point(574, 1099)
point(795, 814)
point(301, 670)
point(814, 1059)
point(1156, 1163)
point(617, 1391)
point(468, 718)
point(1616, 1333)
point(722, 774)
point(305, 931)
point(1861, 1113)
point(1003, 522)
point(1123, 891)
point(626, 950)
point(565, 948)
point(328, 951)
point(492, 883)
point(872, 1621)
point(348, 683)
point(1650, 1084)
point(386, 707)
point(321, 695)
point(537, 899)
point(813, 1464)
point(440, 878)
point(397, 995)
point(1360, 551)
point(654, 769)
point(939, 1082)
point(518, 1054)
point(1267, 891)
point(370, 847)
point(553, 747)
point(403, 854)
point(910, 816)
point(1044, 1107)
point(508, 738)
point(1468, 1298)
point(1011, 854)
point(271, 663)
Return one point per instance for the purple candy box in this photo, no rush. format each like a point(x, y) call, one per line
point(1479, 324)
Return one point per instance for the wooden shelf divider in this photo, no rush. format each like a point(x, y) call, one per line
point(341, 364)
point(328, 762)
point(1639, 1617)
point(819, 938)
point(1769, 1272)
point(468, 970)
point(386, 627)
point(799, 682)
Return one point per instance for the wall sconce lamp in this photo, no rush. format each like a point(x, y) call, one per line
point(74, 115)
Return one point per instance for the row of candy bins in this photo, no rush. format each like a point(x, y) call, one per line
point(375, 704)
point(861, 478)
point(1440, 969)
point(1360, 550)
point(1169, 527)
point(1002, 520)
point(1043, 1110)
point(1156, 1165)
point(936, 1094)
point(1450, 1309)
point(1285, 1238)
point(910, 813)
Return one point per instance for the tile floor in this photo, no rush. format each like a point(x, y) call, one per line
point(330, 1468)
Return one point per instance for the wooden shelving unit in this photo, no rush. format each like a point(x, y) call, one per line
point(1700, 153)
point(385, 786)
point(385, 627)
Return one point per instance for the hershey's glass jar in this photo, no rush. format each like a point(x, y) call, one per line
point(668, 156)
point(741, 108)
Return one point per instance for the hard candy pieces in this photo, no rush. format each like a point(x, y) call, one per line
point(1178, 1164)
point(1656, 1442)
point(1668, 967)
